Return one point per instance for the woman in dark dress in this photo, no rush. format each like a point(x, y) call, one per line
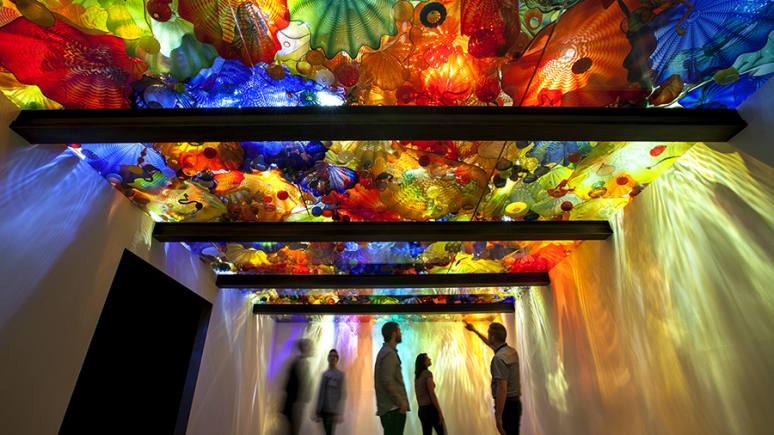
point(429, 409)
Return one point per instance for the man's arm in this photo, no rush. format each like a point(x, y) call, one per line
point(502, 394)
point(472, 328)
point(388, 380)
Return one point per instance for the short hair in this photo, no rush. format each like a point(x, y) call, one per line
point(498, 332)
point(304, 344)
point(334, 351)
point(388, 329)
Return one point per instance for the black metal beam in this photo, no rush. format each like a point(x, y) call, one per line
point(377, 123)
point(382, 281)
point(380, 231)
point(354, 309)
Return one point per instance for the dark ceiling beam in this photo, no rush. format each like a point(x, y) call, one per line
point(377, 123)
point(381, 231)
point(355, 309)
point(382, 281)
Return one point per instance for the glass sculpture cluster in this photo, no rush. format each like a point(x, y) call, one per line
point(357, 299)
point(380, 180)
point(382, 318)
point(103, 54)
point(383, 258)
point(436, 296)
point(385, 297)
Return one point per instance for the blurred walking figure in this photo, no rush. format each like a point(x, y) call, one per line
point(330, 400)
point(506, 380)
point(298, 387)
point(429, 409)
point(391, 398)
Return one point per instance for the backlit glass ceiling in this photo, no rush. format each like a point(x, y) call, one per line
point(379, 258)
point(381, 181)
point(103, 54)
point(377, 182)
point(238, 53)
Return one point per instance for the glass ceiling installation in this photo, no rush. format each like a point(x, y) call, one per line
point(102, 54)
point(377, 258)
point(178, 54)
point(380, 181)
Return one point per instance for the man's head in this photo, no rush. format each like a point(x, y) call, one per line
point(390, 332)
point(333, 357)
point(305, 346)
point(497, 334)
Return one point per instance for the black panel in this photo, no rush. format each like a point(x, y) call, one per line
point(141, 367)
point(378, 123)
point(344, 309)
point(383, 281)
point(380, 231)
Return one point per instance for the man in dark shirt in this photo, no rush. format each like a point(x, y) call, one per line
point(506, 380)
point(297, 387)
point(391, 397)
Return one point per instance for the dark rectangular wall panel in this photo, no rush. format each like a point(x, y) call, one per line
point(377, 123)
point(343, 309)
point(140, 371)
point(381, 231)
point(382, 281)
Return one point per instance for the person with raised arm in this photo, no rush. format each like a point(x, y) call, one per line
point(506, 379)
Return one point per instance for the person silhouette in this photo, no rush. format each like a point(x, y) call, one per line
point(297, 387)
point(330, 399)
point(506, 380)
point(391, 398)
point(430, 414)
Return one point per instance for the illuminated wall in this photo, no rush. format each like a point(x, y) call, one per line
point(460, 369)
point(231, 390)
point(62, 233)
point(666, 327)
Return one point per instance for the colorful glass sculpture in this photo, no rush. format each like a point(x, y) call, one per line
point(384, 181)
point(345, 24)
point(76, 69)
point(580, 53)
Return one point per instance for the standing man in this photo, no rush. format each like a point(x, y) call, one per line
point(506, 381)
point(391, 397)
point(330, 400)
point(297, 387)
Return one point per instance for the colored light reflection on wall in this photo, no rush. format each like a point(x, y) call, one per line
point(582, 53)
point(666, 327)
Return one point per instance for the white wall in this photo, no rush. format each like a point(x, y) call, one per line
point(231, 395)
point(755, 140)
point(63, 230)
